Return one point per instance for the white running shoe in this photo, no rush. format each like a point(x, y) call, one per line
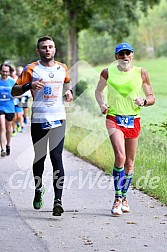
point(125, 205)
point(117, 207)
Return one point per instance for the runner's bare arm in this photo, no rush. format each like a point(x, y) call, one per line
point(21, 89)
point(99, 91)
point(68, 92)
point(147, 89)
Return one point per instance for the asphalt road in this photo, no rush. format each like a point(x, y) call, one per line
point(87, 224)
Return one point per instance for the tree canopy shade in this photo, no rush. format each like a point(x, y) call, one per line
point(22, 22)
point(110, 15)
point(72, 16)
point(17, 30)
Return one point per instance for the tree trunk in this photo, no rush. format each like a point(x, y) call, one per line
point(73, 55)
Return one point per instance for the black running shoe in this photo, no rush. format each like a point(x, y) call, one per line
point(7, 150)
point(57, 208)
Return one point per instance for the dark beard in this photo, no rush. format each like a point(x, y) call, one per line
point(46, 60)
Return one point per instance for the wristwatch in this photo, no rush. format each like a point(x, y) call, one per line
point(145, 102)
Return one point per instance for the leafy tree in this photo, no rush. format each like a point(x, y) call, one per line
point(23, 21)
point(18, 30)
point(150, 36)
point(102, 15)
point(72, 16)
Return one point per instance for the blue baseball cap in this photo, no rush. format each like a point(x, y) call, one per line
point(123, 46)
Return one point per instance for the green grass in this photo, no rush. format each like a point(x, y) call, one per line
point(87, 138)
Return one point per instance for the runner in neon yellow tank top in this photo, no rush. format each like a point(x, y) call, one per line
point(122, 90)
point(127, 84)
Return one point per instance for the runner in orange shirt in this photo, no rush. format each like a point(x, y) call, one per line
point(46, 79)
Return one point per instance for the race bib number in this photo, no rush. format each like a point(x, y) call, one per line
point(125, 121)
point(51, 125)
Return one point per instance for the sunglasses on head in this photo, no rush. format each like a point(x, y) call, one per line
point(122, 53)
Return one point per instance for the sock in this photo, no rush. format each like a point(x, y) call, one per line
point(39, 189)
point(118, 174)
point(126, 183)
point(57, 201)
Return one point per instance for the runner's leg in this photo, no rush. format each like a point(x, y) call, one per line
point(56, 143)
point(39, 139)
point(2, 132)
point(130, 149)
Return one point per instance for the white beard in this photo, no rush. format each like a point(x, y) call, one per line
point(124, 64)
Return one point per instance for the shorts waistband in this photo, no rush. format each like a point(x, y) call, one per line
point(135, 116)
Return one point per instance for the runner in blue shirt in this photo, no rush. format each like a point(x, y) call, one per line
point(6, 109)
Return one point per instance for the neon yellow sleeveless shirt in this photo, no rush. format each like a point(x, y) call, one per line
point(123, 88)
